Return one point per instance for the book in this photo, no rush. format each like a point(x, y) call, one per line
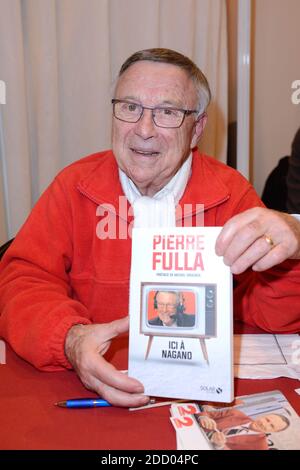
point(262, 421)
point(180, 339)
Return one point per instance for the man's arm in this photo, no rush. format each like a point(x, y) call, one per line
point(38, 311)
point(259, 238)
point(36, 304)
point(267, 281)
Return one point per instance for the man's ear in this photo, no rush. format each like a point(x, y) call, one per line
point(198, 129)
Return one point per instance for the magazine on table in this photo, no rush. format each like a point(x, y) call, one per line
point(263, 421)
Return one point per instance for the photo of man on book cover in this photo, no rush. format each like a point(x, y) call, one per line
point(171, 308)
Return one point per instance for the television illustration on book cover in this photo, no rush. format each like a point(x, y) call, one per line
point(180, 314)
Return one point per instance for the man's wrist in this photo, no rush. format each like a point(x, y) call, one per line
point(72, 336)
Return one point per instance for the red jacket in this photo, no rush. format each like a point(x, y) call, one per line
point(58, 272)
point(232, 417)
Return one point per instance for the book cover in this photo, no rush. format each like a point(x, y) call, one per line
point(262, 421)
point(180, 341)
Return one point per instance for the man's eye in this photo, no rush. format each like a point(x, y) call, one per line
point(131, 107)
point(168, 112)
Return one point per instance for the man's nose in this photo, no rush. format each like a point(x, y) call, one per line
point(145, 127)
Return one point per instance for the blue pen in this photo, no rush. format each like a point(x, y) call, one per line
point(83, 403)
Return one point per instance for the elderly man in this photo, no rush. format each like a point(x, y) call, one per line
point(64, 285)
point(170, 310)
point(232, 429)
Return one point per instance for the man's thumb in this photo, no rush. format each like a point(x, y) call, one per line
point(119, 326)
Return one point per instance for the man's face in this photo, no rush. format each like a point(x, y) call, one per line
point(166, 307)
point(148, 154)
point(268, 423)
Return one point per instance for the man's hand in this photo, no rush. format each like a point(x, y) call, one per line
point(260, 238)
point(85, 346)
point(218, 439)
point(207, 423)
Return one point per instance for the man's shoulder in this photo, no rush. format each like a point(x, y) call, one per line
point(187, 319)
point(84, 166)
point(214, 183)
point(210, 165)
point(155, 321)
point(96, 174)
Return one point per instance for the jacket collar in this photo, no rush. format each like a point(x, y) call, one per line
point(103, 186)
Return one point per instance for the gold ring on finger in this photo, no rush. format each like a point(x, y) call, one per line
point(269, 240)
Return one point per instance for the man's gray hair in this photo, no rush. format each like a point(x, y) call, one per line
point(169, 56)
point(173, 292)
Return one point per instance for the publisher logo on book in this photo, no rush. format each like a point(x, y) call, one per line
point(2, 352)
point(211, 389)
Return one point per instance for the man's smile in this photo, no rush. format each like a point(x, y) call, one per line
point(144, 153)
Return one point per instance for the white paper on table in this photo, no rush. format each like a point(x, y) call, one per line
point(178, 410)
point(266, 356)
point(179, 443)
point(190, 437)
